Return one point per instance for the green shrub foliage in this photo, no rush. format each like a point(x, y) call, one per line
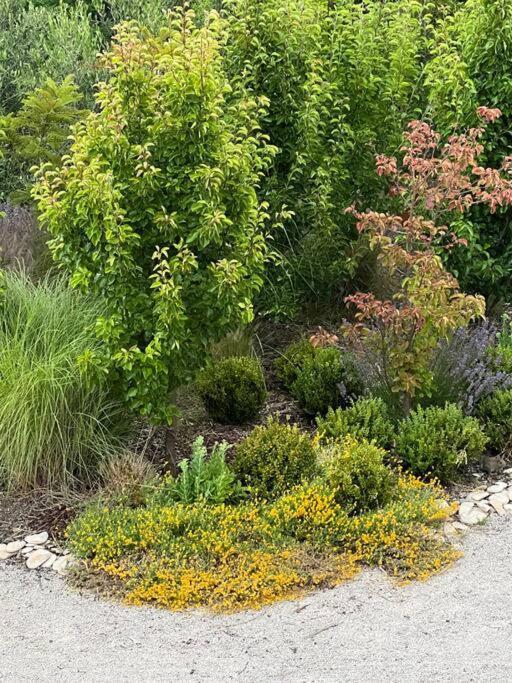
point(495, 413)
point(233, 390)
point(471, 67)
point(201, 479)
point(438, 440)
point(37, 133)
point(156, 208)
point(41, 42)
point(320, 384)
point(367, 418)
point(341, 83)
point(500, 354)
point(273, 458)
point(317, 377)
point(288, 366)
point(355, 470)
point(342, 80)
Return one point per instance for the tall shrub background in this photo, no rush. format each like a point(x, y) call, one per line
point(156, 208)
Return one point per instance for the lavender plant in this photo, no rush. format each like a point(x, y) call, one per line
point(465, 370)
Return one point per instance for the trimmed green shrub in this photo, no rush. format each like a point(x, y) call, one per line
point(155, 209)
point(273, 458)
point(367, 418)
point(320, 383)
point(495, 413)
point(438, 440)
point(233, 390)
point(355, 470)
point(288, 366)
point(317, 377)
point(55, 430)
point(202, 479)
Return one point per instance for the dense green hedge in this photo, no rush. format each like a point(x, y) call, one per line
point(342, 81)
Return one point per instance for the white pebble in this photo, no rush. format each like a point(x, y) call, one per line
point(15, 546)
point(49, 562)
point(478, 495)
point(498, 500)
point(470, 514)
point(61, 564)
point(4, 553)
point(37, 539)
point(498, 487)
point(38, 558)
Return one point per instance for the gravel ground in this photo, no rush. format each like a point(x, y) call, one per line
point(455, 627)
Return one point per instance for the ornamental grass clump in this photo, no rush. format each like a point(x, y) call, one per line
point(233, 390)
point(54, 429)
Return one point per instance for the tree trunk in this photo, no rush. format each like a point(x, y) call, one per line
point(170, 451)
point(406, 404)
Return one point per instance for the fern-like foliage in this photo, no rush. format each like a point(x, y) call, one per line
point(209, 480)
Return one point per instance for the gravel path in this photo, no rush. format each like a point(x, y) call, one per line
point(455, 627)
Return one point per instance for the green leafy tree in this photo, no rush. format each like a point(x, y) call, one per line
point(155, 209)
point(342, 81)
point(472, 52)
point(38, 133)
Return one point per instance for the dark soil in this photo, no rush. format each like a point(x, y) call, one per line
point(34, 511)
point(193, 422)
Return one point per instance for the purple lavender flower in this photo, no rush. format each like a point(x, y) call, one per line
point(464, 369)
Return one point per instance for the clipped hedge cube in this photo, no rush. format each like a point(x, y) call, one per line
point(355, 471)
point(439, 440)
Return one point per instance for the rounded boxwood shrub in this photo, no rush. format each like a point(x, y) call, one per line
point(495, 413)
point(367, 418)
point(438, 440)
point(273, 458)
point(356, 472)
point(233, 390)
point(293, 360)
point(317, 377)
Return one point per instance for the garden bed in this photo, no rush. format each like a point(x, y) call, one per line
point(231, 169)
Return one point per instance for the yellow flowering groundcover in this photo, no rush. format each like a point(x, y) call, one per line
point(229, 557)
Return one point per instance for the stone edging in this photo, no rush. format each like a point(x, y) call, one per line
point(38, 552)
